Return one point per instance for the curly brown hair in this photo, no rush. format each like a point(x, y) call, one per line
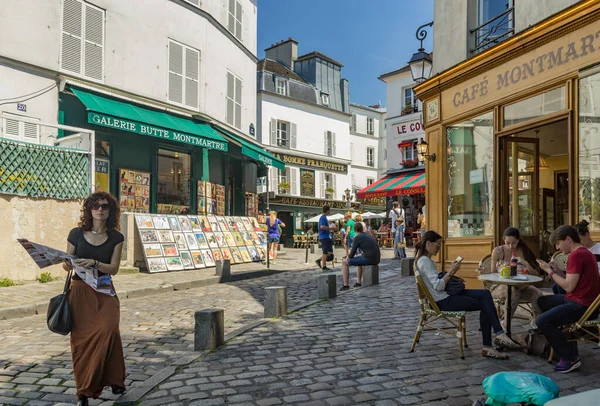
point(114, 214)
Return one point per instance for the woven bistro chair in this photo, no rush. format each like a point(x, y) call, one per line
point(296, 241)
point(431, 314)
point(560, 259)
point(485, 266)
point(584, 329)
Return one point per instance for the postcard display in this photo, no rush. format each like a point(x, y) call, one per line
point(134, 191)
point(174, 243)
point(211, 198)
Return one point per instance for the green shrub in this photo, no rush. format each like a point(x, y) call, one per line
point(6, 282)
point(45, 277)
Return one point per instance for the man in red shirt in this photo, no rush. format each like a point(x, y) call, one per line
point(582, 284)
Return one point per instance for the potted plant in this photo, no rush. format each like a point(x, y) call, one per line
point(284, 187)
point(409, 163)
point(408, 109)
point(329, 192)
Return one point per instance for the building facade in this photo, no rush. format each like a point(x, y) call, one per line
point(367, 150)
point(169, 107)
point(514, 126)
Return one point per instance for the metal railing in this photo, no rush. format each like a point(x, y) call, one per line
point(494, 31)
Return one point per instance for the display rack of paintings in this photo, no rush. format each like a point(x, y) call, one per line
point(220, 199)
point(174, 243)
point(134, 191)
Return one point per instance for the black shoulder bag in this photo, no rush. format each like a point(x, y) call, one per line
point(455, 286)
point(59, 312)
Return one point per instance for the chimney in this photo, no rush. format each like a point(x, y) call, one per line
point(284, 52)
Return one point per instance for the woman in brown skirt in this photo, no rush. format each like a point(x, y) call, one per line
point(95, 339)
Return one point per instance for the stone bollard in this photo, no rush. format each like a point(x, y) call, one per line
point(371, 275)
point(326, 286)
point(407, 266)
point(312, 248)
point(208, 329)
point(223, 269)
point(279, 247)
point(275, 301)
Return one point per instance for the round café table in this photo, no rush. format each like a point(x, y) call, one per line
point(497, 279)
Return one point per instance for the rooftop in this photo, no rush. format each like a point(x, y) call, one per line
point(279, 69)
point(317, 54)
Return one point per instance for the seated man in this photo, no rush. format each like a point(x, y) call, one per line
point(582, 284)
point(370, 255)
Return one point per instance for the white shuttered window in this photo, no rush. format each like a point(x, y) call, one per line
point(234, 22)
point(18, 130)
point(82, 43)
point(184, 74)
point(234, 100)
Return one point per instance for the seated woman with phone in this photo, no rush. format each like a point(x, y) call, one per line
point(514, 246)
point(463, 300)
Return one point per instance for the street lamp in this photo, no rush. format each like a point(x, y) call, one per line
point(347, 192)
point(421, 63)
point(422, 149)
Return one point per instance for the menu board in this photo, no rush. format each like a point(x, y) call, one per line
point(210, 198)
point(134, 191)
point(175, 242)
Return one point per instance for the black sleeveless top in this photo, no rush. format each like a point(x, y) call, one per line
point(102, 253)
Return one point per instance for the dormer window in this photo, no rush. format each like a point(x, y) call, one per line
point(325, 99)
point(281, 86)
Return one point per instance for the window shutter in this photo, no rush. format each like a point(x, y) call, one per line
point(325, 143)
point(238, 103)
point(230, 98)
point(192, 76)
point(94, 43)
point(231, 20)
point(71, 36)
point(273, 179)
point(322, 183)
point(31, 133)
point(333, 177)
point(175, 72)
point(238, 20)
point(273, 132)
point(294, 181)
point(293, 136)
point(333, 144)
point(11, 129)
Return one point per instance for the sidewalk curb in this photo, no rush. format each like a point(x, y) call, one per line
point(134, 395)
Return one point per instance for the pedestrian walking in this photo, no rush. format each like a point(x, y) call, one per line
point(325, 238)
point(399, 249)
point(371, 255)
point(273, 234)
point(96, 345)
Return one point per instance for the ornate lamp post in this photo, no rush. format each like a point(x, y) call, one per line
point(348, 197)
point(421, 63)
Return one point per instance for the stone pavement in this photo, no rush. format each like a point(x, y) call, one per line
point(349, 351)
point(32, 298)
point(157, 331)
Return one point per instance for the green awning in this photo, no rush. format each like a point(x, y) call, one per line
point(255, 152)
point(128, 117)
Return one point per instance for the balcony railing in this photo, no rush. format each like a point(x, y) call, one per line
point(494, 31)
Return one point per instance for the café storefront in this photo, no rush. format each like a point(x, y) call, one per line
point(516, 132)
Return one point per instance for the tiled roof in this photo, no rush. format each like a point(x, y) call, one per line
point(279, 69)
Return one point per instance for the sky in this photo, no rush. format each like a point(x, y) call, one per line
point(368, 37)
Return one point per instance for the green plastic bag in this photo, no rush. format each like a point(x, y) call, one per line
point(519, 387)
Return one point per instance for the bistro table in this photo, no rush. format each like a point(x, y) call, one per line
point(496, 278)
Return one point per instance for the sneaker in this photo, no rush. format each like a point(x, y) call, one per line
point(343, 288)
point(357, 285)
point(325, 269)
point(565, 366)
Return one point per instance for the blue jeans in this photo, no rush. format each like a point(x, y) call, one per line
point(360, 261)
point(349, 242)
point(399, 252)
point(558, 311)
point(472, 300)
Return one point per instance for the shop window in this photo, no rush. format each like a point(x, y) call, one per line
point(234, 22)
point(540, 105)
point(589, 150)
point(234, 100)
point(174, 170)
point(82, 42)
point(184, 74)
point(470, 153)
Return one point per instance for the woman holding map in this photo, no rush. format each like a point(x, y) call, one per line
point(95, 338)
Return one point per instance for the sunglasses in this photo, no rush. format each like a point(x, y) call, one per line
point(103, 206)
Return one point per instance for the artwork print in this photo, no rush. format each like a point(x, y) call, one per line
point(180, 241)
point(157, 265)
point(197, 259)
point(186, 260)
point(149, 236)
point(191, 241)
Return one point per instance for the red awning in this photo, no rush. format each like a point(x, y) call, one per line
point(405, 144)
point(395, 185)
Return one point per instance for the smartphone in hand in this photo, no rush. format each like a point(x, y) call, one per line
point(459, 259)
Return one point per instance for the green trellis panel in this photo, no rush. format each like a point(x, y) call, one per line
point(42, 171)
